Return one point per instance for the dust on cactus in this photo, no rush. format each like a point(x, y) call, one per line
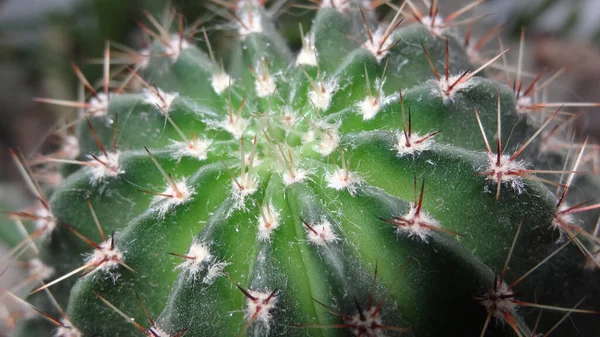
point(377, 182)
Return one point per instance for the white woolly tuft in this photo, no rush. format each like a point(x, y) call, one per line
point(110, 168)
point(268, 221)
point(45, 220)
point(165, 203)
point(260, 308)
point(160, 99)
point(196, 148)
point(39, 269)
point(499, 301)
point(199, 258)
point(308, 54)
point(220, 81)
point(98, 105)
point(370, 105)
point(413, 146)
point(69, 147)
point(156, 331)
point(299, 176)
point(250, 22)
point(67, 329)
point(289, 119)
point(341, 179)
point(247, 186)
point(322, 94)
point(330, 140)
point(339, 5)
point(107, 258)
point(560, 220)
point(417, 225)
point(524, 104)
point(435, 25)
point(235, 125)
point(176, 45)
point(377, 45)
point(444, 86)
point(265, 85)
point(506, 171)
point(371, 326)
point(143, 59)
point(321, 233)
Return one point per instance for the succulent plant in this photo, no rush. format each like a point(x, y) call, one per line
point(377, 182)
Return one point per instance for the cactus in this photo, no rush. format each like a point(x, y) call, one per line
point(377, 182)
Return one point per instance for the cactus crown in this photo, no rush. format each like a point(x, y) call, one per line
point(376, 182)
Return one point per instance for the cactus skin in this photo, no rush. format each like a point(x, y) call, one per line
point(309, 234)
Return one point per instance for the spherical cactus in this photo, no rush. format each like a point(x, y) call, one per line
point(378, 182)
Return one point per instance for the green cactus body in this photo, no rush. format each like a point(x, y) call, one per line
point(342, 190)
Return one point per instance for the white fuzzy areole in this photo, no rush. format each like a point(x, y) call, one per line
point(506, 171)
point(67, 329)
point(98, 105)
point(39, 269)
point(309, 137)
point(250, 22)
point(308, 54)
point(247, 186)
point(435, 25)
point(299, 176)
point(164, 204)
point(236, 125)
point(371, 326)
point(559, 220)
point(265, 84)
point(289, 119)
point(369, 107)
point(196, 148)
point(160, 99)
point(177, 44)
point(524, 104)
point(329, 140)
point(142, 59)
point(413, 225)
point(341, 179)
point(110, 168)
point(377, 45)
point(322, 235)
point(252, 161)
point(322, 94)
point(500, 301)
point(444, 86)
point(156, 331)
point(199, 258)
point(268, 221)
point(414, 147)
point(339, 5)
point(69, 147)
point(106, 259)
point(220, 81)
point(45, 221)
point(196, 258)
point(261, 307)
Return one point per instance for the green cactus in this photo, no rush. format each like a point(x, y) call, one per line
point(345, 189)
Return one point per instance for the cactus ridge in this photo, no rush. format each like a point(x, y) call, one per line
point(352, 188)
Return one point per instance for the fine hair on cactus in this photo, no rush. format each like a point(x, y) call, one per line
point(390, 177)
